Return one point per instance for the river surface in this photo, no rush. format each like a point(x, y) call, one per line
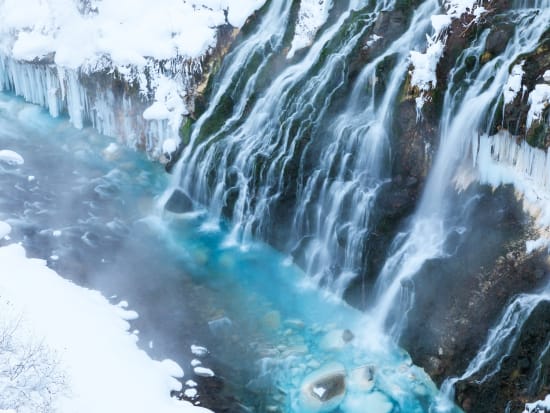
point(90, 208)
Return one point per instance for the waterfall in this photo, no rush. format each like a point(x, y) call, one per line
point(500, 342)
point(467, 106)
point(295, 153)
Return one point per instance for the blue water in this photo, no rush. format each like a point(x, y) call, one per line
point(95, 217)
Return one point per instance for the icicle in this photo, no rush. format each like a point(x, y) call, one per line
point(500, 160)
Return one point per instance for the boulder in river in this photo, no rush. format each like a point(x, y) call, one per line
point(324, 389)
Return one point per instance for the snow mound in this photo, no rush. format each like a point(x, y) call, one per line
point(11, 157)
point(102, 366)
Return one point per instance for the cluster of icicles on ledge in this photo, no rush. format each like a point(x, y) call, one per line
point(332, 136)
point(117, 102)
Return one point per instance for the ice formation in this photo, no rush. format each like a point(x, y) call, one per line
point(500, 160)
point(71, 56)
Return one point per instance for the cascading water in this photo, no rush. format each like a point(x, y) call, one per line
point(296, 148)
point(468, 105)
point(498, 346)
point(266, 157)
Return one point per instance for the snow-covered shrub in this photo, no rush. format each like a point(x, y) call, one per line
point(30, 377)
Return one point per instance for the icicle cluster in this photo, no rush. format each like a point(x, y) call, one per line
point(501, 160)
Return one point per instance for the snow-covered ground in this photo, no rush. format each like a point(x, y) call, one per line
point(64, 348)
point(128, 31)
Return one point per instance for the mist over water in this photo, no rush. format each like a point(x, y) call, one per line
point(298, 156)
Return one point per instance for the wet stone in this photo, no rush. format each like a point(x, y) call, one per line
point(179, 203)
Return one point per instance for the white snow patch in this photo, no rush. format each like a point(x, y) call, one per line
point(373, 39)
point(111, 152)
point(513, 85)
point(191, 393)
point(539, 98)
point(170, 146)
point(546, 76)
point(199, 351)
point(125, 30)
point(311, 16)
point(191, 383)
point(168, 105)
point(440, 22)
point(11, 157)
point(203, 372)
point(103, 368)
point(457, 8)
point(424, 64)
point(538, 406)
point(195, 362)
point(423, 76)
point(532, 245)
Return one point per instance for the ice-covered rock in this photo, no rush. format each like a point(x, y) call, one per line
point(323, 390)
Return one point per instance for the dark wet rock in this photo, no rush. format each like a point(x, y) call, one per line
point(179, 202)
point(498, 38)
point(514, 384)
point(465, 298)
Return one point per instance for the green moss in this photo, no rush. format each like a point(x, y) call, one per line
point(185, 131)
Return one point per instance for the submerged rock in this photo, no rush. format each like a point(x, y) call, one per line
point(179, 203)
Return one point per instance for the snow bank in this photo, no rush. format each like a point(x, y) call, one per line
point(538, 407)
point(311, 16)
point(125, 30)
point(103, 368)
